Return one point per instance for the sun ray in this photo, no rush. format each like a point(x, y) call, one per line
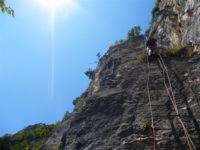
point(52, 53)
point(52, 7)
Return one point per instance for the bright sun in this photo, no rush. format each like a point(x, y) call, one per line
point(56, 4)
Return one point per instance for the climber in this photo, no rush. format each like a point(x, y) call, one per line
point(151, 46)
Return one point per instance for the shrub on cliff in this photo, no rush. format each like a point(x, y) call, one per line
point(119, 42)
point(173, 51)
point(155, 9)
point(90, 73)
point(77, 101)
point(135, 31)
point(5, 142)
point(66, 115)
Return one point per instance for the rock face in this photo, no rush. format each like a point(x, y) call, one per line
point(115, 115)
point(177, 22)
point(114, 112)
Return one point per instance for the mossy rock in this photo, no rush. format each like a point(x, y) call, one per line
point(180, 51)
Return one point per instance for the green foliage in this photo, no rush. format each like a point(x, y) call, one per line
point(6, 9)
point(91, 87)
point(77, 101)
point(135, 31)
point(27, 140)
point(140, 58)
point(90, 73)
point(119, 42)
point(58, 145)
point(98, 56)
point(66, 115)
point(144, 125)
point(155, 9)
point(180, 51)
point(173, 51)
point(5, 142)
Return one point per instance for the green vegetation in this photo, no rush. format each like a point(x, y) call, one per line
point(181, 51)
point(6, 9)
point(5, 142)
point(90, 73)
point(66, 115)
point(139, 59)
point(173, 51)
point(155, 9)
point(119, 42)
point(77, 101)
point(32, 139)
point(144, 125)
point(98, 56)
point(91, 87)
point(134, 32)
point(58, 145)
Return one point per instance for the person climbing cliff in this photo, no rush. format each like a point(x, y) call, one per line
point(151, 46)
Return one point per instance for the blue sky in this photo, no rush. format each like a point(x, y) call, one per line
point(26, 43)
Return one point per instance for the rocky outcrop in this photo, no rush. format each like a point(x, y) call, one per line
point(177, 23)
point(115, 114)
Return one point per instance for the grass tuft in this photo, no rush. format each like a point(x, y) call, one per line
point(173, 51)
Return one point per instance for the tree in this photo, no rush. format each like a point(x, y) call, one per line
point(66, 115)
point(135, 31)
point(6, 9)
point(119, 42)
point(98, 56)
point(5, 142)
point(90, 73)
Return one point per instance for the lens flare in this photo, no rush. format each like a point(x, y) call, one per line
point(52, 7)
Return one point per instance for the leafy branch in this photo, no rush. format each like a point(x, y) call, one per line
point(6, 9)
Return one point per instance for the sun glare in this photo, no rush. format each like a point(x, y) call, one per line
point(51, 5)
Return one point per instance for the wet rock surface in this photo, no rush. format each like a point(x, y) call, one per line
point(115, 115)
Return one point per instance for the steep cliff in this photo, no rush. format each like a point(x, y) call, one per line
point(176, 22)
point(114, 113)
